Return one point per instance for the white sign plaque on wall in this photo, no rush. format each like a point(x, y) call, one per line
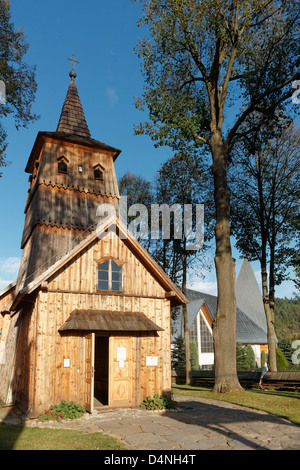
point(121, 356)
point(151, 360)
point(66, 362)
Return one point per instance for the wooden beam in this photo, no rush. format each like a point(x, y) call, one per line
point(170, 294)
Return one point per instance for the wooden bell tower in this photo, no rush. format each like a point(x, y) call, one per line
point(70, 174)
point(89, 319)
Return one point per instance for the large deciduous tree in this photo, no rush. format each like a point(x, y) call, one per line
point(17, 79)
point(208, 67)
point(265, 202)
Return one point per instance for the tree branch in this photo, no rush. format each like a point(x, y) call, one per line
point(252, 106)
point(192, 80)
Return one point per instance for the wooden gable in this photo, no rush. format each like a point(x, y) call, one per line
point(143, 275)
point(80, 274)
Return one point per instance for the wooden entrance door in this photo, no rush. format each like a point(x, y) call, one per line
point(120, 371)
point(89, 371)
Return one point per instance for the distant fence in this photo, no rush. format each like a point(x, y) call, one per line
point(278, 380)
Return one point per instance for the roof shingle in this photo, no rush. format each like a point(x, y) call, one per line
point(72, 119)
point(251, 325)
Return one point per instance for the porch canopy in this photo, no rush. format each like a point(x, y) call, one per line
point(104, 320)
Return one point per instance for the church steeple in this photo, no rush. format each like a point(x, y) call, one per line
point(72, 119)
point(70, 175)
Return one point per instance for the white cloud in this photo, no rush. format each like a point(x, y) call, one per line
point(257, 275)
point(111, 96)
point(9, 268)
point(10, 265)
point(207, 287)
point(4, 283)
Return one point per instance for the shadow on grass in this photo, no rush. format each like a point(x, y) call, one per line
point(10, 427)
point(19, 437)
point(14, 437)
point(294, 395)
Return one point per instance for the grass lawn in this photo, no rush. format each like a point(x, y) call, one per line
point(12, 437)
point(283, 404)
point(21, 438)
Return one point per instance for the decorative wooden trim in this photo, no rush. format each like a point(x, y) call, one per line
point(109, 292)
point(108, 258)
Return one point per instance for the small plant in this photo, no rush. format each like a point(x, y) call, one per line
point(162, 402)
point(65, 410)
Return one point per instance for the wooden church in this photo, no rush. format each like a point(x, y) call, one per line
point(88, 318)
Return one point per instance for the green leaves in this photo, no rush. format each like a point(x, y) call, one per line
point(63, 411)
point(162, 402)
point(265, 195)
point(18, 77)
point(198, 55)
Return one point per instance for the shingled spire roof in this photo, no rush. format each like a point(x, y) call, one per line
point(249, 296)
point(72, 119)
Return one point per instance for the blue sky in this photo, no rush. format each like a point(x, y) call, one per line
point(102, 35)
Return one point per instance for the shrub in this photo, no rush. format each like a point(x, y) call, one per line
point(194, 356)
point(241, 358)
point(250, 356)
point(245, 357)
point(282, 363)
point(178, 354)
point(286, 347)
point(65, 410)
point(263, 359)
point(162, 402)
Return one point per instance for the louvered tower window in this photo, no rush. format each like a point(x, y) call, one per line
point(62, 165)
point(98, 172)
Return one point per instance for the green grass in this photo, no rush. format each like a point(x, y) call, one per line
point(12, 437)
point(283, 404)
point(21, 438)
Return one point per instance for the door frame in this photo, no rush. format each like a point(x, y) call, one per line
point(112, 373)
point(89, 371)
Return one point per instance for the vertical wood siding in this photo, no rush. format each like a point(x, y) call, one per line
point(41, 348)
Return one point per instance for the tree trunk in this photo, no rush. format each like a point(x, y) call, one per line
point(224, 328)
point(269, 312)
point(266, 294)
point(187, 347)
point(186, 327)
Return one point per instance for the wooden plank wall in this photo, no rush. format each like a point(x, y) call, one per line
point(5, 300)
point(137, 281)
point(46, 171)
point(42, 349)
point(7, 368)
point(9, 334)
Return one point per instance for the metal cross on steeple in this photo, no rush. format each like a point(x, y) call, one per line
point(73, 60)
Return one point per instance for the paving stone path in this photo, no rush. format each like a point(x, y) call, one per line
point(198, 424)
